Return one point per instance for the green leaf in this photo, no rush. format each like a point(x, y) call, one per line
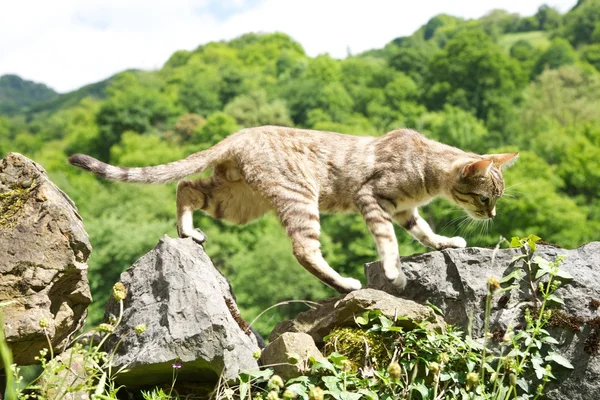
point(422, 389)
point(523, 384)
point(337, 358)
point(517, 274)
point(332, 384)
point(560, 360)
point(369, 395)
point(517, 258)
point(562, 274)
point(549, 340)
point(350, 396)
point(297, 388)
point(435, 308)
point(515, 242)
point(556, 299)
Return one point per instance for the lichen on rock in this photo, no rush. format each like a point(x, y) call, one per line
point(12, 202)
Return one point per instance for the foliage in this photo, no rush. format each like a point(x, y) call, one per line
point(87, 370)
point(379, 359)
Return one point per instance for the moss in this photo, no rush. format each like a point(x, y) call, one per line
point(354, 343)
point(12, 202)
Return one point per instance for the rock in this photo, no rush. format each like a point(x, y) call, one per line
point(277, 354)
point(341, 311)
point(43, 270)
point(455, 281)
point(190, 315)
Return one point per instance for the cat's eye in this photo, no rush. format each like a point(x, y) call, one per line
point(484, 199)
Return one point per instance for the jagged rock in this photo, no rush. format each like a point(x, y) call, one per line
point(455, 281)
point(190, 315)
point(277, 354)
point(43, 255)
point(341, 311)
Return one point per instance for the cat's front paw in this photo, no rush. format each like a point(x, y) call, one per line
point(348, 285)
point(451, 243)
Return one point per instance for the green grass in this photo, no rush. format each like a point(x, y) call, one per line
point(537, 38)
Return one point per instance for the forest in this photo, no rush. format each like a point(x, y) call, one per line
point(500, 83)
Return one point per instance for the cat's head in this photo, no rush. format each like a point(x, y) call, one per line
point(479, 184)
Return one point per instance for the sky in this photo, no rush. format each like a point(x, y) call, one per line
point(67, 44)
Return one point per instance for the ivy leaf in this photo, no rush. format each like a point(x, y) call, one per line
point(538, 366)
point(560, 360)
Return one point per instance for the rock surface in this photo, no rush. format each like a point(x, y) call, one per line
point(43, 255)
point(341, 311)
point(190, 315)
point(455, 281)
point(277, 354)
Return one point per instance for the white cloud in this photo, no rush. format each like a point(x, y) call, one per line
point(69, 43)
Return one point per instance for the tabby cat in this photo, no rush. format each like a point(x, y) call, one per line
point(298, 173)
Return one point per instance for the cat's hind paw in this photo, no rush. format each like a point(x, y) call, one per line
point(196, 235)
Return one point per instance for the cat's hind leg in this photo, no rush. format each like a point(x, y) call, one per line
point(190, 197)
point(300, 218)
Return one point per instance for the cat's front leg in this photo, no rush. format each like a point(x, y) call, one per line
point(420, 230)
point(380, 224)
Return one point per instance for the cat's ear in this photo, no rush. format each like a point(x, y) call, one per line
point(502, 160)
point(476, 168)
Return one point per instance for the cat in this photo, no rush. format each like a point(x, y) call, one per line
point(298, 173)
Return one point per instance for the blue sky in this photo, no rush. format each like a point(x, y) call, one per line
point(69, 43)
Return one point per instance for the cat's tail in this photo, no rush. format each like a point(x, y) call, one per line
point(164, 173)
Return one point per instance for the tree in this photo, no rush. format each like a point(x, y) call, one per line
point(582, 22)
point(217, 127)
point(549, 18)
point(472, 72)
point(133, 105)
point(253, 109)
point(558, 54)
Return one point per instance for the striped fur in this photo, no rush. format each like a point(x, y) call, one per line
point(300, 173)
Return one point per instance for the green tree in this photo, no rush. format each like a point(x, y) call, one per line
point(254, 109)
point(217, 127)
point(472, 72)
point(582, 22)
point(558, 54)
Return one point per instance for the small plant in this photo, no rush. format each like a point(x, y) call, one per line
point(87, 369)
point(379, 359)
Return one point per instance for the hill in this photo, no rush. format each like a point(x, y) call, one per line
point(17, 94)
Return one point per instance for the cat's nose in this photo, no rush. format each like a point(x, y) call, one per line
point(492, 212)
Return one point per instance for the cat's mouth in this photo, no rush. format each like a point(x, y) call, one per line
point(478, 215)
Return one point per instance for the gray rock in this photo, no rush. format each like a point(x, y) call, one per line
point(43, 255)
point(341, 311)
point(455, 281)
point(190, 314)
point(277, 354)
